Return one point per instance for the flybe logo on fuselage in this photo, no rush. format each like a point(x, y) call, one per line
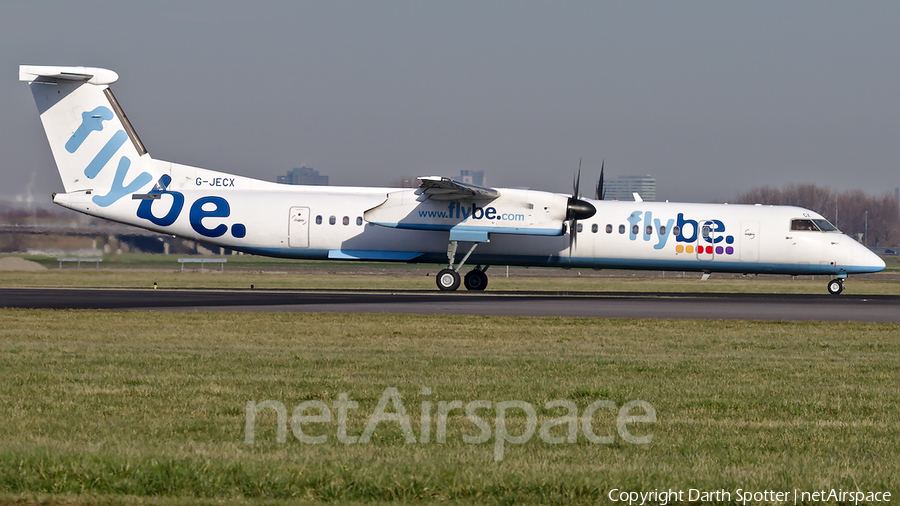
point(709, 235)
point(456, 211)
point(209, 206)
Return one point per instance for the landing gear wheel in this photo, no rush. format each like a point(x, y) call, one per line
point(835, 286)
point(447, 280)
point(475, 280)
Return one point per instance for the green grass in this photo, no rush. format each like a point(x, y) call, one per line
point(891, 263)
point(144, 407)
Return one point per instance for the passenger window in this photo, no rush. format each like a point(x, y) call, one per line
point(621, 229)
point(649, 230)
point(676, 230)
point(662, 230)
point(580, 227)
point(635, 230)
point(319, 219)
point(608, 228)
point(706, 231)
point(332, 220)
point(346, 220)
point(594, 228)
point(359, 221)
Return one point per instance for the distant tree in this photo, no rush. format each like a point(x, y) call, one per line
point(884, 216)
point(852, 211)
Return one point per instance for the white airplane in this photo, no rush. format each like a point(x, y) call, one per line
point(107, 172)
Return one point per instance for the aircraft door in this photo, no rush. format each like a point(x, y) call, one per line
point(706, 240)
point(298, 228)
point(749, 242)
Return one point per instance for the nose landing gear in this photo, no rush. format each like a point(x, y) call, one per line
point(835, 286)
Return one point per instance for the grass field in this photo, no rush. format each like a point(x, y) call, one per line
point(134, 407)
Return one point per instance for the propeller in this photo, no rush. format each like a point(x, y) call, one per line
point(577, 209)
point(600, 193)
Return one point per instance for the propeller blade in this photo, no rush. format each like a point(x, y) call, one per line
point(573, 236)
point(576, 208)
point(577, 182)
point(600, 194)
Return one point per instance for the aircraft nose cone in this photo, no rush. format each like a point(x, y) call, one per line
point(871, 261)
point(877, 263)
point(860, 258)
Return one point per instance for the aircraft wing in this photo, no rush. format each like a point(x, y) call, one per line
point(443, 188)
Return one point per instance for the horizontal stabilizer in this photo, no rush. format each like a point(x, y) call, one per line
point(31, 73)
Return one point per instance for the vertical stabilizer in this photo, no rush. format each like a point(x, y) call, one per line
point(94, 145)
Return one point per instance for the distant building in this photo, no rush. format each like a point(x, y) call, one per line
point(622, 188)
point(475, 177)
point(303, 175)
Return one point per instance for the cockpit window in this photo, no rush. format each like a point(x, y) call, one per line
point(803, 225)
point(825, 226)
point(815, 225)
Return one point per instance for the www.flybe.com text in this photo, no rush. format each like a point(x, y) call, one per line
point(457, 212)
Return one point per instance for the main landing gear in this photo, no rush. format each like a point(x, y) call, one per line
point(448, 279)
point(835, 286)
point(476, 279)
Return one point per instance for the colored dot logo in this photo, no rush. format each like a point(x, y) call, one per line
point(719, 250)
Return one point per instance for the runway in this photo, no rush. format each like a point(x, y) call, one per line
point(769, 307)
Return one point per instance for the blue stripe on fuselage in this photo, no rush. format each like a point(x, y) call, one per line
point(562, 260)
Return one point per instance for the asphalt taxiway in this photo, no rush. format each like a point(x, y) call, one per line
point(770, 307)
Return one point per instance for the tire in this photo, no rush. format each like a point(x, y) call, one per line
point(447, 280)
point(835, 286)
point(476, 280)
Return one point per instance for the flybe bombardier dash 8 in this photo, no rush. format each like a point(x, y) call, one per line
point(107, 172)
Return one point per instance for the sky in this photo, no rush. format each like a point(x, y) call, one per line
point(710, 98)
